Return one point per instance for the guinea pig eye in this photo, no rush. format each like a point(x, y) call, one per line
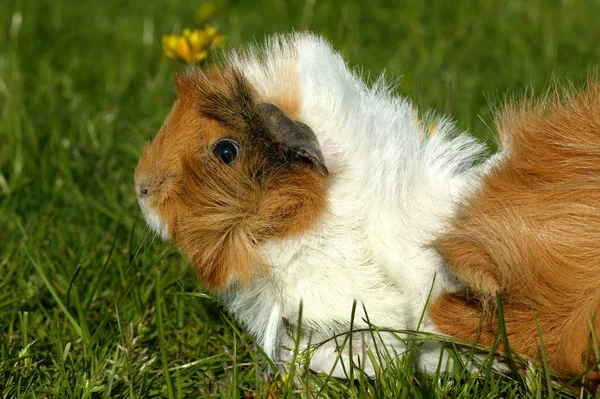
point(227, 150)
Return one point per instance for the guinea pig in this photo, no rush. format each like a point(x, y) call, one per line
point(295, 188)
point(531, 233)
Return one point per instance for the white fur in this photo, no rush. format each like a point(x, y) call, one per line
point(154, 221)
point(395, 187)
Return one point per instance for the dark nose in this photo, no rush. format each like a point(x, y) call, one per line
point(141, 190)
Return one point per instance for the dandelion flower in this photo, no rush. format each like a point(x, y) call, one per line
point(192, 45)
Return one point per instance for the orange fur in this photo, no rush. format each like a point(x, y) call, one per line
point(532, 234)
point(287, 94)
point(219, 214)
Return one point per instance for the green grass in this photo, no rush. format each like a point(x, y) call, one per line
point(90, 303)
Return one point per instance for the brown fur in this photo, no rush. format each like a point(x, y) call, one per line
point(219, 214)
point(532, 234)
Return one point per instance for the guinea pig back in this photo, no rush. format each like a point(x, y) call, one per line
point(532, 234)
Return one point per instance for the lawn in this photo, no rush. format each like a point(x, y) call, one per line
point(91, 303)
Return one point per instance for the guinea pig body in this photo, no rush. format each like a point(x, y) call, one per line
point(317, 226)
point(531, 233)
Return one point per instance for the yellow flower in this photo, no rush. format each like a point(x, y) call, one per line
point(192, 45)
point(273, 390)
point(430, 127)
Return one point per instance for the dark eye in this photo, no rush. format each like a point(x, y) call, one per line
point(227, 150)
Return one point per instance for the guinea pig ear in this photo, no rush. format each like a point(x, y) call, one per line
point(295, 136)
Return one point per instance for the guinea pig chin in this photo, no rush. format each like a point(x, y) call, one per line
point(156, 223)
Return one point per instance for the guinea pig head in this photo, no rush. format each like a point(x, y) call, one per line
point(227, 172)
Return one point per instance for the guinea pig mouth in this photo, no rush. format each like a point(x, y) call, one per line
point(154, 221)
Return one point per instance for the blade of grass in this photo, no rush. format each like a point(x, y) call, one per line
point(502, 328)
point(374, 330)
point(68, 294)
point(53, 292)
point(161, 336)
point(85, 332)
point(255, 344)
point(235, 392)
point(115, 304)
point(350, 347)
point(97, 281)
point(544, 359)
point(289, 378)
